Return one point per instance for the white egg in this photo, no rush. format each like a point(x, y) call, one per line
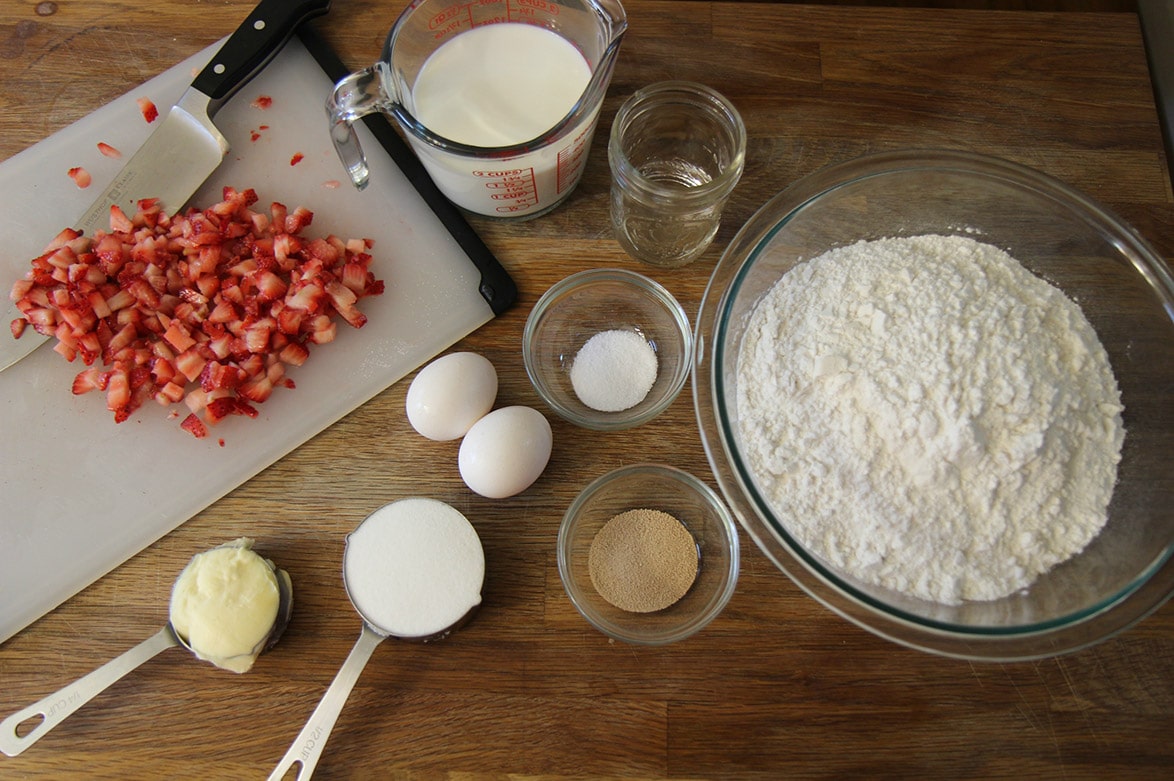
point(505, 451)
point(450, 394)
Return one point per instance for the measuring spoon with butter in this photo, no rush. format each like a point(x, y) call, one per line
point(228, 606)
point(413, 569)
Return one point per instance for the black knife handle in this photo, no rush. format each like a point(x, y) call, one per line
point(253, 45)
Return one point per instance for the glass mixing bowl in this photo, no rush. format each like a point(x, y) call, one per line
point(1126, 292)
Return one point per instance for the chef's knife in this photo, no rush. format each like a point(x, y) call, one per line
point(186, 147)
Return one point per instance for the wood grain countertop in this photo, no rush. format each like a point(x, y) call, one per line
point(777, 686)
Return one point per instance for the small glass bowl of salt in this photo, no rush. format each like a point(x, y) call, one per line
point(608, 349)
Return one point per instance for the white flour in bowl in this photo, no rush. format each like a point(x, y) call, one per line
point(926, 415)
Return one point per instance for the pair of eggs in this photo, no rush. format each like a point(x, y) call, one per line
point(503, 451)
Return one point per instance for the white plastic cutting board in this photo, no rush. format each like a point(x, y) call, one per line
point(80, 494)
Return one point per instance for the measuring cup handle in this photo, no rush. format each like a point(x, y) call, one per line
point(57, 706)
point(358, 94)
point(307, 747)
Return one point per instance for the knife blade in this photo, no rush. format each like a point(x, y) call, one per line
point(186, 148)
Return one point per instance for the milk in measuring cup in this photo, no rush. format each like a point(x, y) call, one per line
point(499, 85)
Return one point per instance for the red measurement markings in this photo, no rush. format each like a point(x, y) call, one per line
point(570, 161)
point(514, 189)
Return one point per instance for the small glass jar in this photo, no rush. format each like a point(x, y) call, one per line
point(676, 151)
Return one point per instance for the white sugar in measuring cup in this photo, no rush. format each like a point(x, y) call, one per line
point(498, 62)
point(413, 569)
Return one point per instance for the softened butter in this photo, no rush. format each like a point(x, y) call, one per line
point(224, 605)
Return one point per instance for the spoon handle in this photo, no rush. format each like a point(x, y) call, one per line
point(307, 747)
point(57, 706)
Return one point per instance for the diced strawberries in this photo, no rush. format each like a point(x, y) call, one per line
point(108, 150)
point(207, 308)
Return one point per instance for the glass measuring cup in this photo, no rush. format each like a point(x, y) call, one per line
point(490, 169)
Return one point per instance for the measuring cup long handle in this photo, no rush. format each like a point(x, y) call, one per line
point(307, 747)
point(57, 706)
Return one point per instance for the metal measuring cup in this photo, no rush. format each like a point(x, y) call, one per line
point(395, 564)
point(56, 707)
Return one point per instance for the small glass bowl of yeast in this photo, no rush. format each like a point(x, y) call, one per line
point(648, 554)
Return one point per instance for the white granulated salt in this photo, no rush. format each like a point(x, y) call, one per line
point(614, 370)
point(926, 415)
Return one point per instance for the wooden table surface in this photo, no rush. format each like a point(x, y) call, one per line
point(777, 686)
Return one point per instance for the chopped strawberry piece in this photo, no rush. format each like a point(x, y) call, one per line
point(270, 287)
point(66, 236)
point(223, 312)
point(63, 349)
point(216, 375)
point(289, 320)
point(88, 380)
point(294, 354)
point(177, 336)
point(323, 250)
point(120, 300)
point(171, 393)
point(123, 338)
point(118, 391)
point(356, 277)
point(119, 222)
point(163, 369)
point(191, 364)
point(298, 220)
point(297, 158)
point(323, 330)
point(256, 389)
point(194, 426)
point(148, 110)
point(80, 176)
point(108, 150)
point(221, 408)
point(42, 319)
